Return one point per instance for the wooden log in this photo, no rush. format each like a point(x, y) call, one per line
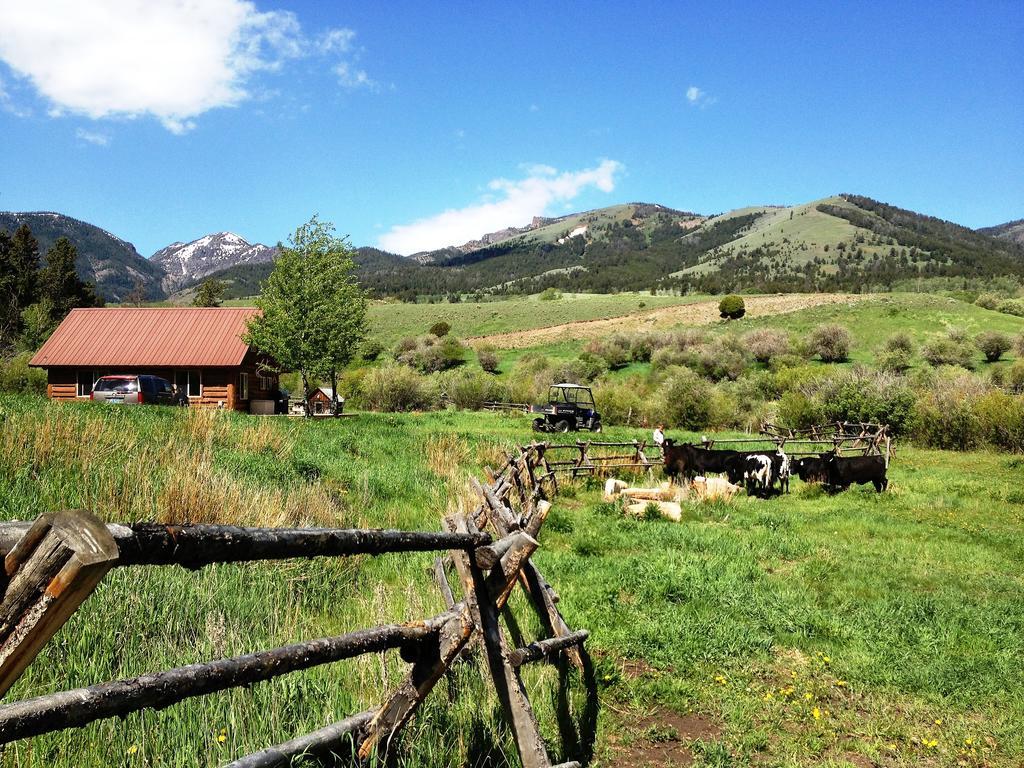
point(73, 709)
point(419, 682)
point(499, 511)
point(337, 739)
point(542, 649)
point(442, 583)
point(504, 575)
point(540, 514)
point(487, 557)
point(545, 602)
point(49, 572)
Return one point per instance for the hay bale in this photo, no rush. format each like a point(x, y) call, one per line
point(668, 509)
point(612, 488)
point(711, 488)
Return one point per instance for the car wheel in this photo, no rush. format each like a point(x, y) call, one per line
point(596, 427)
point(538, 425)
point(562, 426)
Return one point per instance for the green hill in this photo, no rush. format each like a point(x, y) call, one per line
point(839, 243)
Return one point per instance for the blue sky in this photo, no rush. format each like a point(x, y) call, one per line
point(410, 125)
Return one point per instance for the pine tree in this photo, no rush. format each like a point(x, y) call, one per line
point(59, 283)
point(210, 293)
point(19, 267)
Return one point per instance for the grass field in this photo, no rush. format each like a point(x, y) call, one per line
point(808, 630)
point(392, 321)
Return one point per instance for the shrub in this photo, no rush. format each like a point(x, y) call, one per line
point(641, 347)
point(666, 357)
point(370, 349)
point(685, 400)
point(943, 350)
point(430, 354)
point(798, 411)
point(946, 417)
point(993, 344)
point(466, 389)
point(831, 343)
point(549, 294)
point(614, 351)
point(440, 328)
point(899, 342)
point(864, 395)
point(395, 388)
point(958, 333)
point(987, 301)
point(488, 359)
point(1018, 346)
point(894, 361)
point(724, 358)
point(1013, 378)
point(16, 376)
point(766, 343)
point(1012, 307)
point(586, 367)
point(624, 403)
point(732, 307)
point(1002, 420)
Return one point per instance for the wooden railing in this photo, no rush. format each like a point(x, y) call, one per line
point(55, 562)
point(590, 457)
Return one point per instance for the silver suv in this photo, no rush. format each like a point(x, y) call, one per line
point(130, 389)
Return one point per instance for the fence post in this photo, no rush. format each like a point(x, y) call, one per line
point(51, 570)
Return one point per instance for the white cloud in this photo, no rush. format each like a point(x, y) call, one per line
point(518, 201)
point(169, 59)
point(350, 76)
point(698, 98)
point(93, 137)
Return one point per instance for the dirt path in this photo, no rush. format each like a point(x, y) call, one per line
point(700, 313)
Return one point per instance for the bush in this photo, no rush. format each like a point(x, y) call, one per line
point(899, 342)
point(865, 395)
point(440, 328)
point(614, 351)
point(17, 376)
point(430, 354)
point(488, 359)
point(766, 343)
point(831, 343)
point(395, 388)
point(1013, 378)
point(946, 417)
point(666, 357)
point(993, 344)
point(798, 411)
point(370, 349)
point(1002, 420)
point(894, 361)
point(586, 367)
point(549, 294)
point(1012, 307)
point(1018, 346)
point(685, 400)
point(943, 350)
point(466, 389)
point(641, 347)
point(724, 358)
point(987, 301)
point(732, 307)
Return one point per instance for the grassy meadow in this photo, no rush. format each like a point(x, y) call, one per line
point(808, 630)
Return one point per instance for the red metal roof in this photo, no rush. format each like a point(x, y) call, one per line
point(144, 336)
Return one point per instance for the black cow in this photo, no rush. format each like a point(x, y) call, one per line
point(690, 460)
point(811, 469)
point(844, 471)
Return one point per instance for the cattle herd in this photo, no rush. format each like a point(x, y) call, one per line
point(766, 473)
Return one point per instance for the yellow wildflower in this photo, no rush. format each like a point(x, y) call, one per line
point(133, 749)
point(768, 696)
point(808, 696)
point(817, 713)
point(938, 721)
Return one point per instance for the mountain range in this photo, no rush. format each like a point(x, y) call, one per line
point(844, 242)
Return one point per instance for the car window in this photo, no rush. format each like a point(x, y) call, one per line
point(117, 385)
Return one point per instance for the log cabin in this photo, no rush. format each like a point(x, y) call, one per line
point(198, 349)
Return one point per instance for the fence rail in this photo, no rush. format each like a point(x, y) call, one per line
point(55, 562)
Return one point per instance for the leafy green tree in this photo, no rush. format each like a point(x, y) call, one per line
point(59, 285)
point(37, 323)
point(313, 310)
point(210, 293)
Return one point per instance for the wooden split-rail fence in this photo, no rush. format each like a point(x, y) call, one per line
point(53, 564)
point(592, 457)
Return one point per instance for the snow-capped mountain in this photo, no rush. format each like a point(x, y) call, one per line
point(187, 263)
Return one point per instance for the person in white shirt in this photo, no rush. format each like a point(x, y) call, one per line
point(659, 435)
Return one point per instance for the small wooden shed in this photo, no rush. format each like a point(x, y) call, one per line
point(198, 349)
point(320, 402)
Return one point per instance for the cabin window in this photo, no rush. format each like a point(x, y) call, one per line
point(86, 380)
point(243, 386)
point(265, 383)
point(189, 382)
